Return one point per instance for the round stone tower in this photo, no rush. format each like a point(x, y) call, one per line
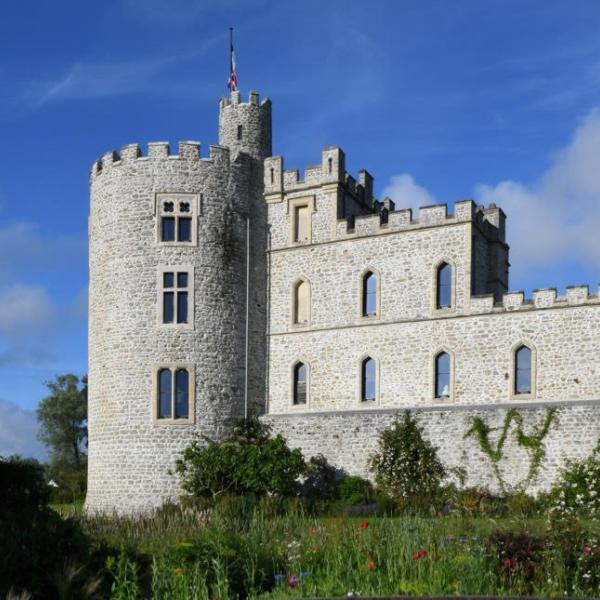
point(167, 303)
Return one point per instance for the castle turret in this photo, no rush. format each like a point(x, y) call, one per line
point(246, 126)
point(167, 319)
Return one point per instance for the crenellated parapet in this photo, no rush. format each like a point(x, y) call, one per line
point(188, 151)
point(541, 299)
point(355, 210)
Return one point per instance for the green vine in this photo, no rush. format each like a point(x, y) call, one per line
point(533, 443)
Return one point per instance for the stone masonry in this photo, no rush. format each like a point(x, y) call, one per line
point(132, 452)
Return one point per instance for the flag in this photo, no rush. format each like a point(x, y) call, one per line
point(232, 84)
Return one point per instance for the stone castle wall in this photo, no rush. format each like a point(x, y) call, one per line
point(349, 438)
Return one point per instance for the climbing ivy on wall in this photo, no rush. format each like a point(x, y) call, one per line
point(532, 443)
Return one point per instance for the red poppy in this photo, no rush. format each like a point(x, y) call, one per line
point(509, 563)
point(420, 553)
point(587, 549)
point(371, 565)
point(364, 524)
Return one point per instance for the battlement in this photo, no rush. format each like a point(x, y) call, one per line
point(236, 99)
point(544, 298)
point(187, 151)
point(374, 216)
point(385, 217)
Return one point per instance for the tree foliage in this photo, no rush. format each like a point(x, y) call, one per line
point(406, 465)
point(35, 541)
point(63, 428)
point(247, 462)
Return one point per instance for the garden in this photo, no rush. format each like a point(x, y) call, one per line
point(260, 521)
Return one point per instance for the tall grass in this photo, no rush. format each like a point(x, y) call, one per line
point(268, 550)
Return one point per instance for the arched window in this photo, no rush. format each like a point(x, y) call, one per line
point(174, 401)
point(300, 383)
point(369, 294)
point(442, 375)
point(368, 373)
point(523, 370)
point(182, 394)
point(444, 286)
point(164, 393)
point(302, 302)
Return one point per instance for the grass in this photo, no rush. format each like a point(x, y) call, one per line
point(268, 551)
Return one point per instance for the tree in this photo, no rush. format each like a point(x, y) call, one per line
point(63, 428)
point(406, 465)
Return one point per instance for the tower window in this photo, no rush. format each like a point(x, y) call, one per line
point(522, 375)
point(176, 296)
point(174, 394)
point(176, 219)
point(368, 383)
point(301, 303)
point(444, 286)
point(369, 294)
point(330, 164)
point(442, 375)
point(300, 383)
point(240, 132)
point(301, 224)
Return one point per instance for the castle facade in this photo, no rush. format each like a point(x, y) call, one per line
point(354, 312)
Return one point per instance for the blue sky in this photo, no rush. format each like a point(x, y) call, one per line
point(493, 100)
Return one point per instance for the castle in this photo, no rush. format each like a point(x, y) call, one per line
point(353, 312)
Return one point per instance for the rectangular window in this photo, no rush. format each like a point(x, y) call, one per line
point(184, 230)
point(176, 218)
point(176, 289)
point(302, 223)
point(168, 229)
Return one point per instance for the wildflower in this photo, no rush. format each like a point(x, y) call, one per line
point(293, 582)
point(509, 563)
point(178, 571)
point(371, 565)
point(279, 577)
point(303, 574)
point(364, 524)
point(463, 537)
point(420, 553)
point(472, 505)
point(587, 549)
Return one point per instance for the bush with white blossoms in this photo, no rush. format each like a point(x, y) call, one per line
point(577, 492)
point(406, 465)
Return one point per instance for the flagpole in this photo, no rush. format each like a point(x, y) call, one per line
point(230, 55)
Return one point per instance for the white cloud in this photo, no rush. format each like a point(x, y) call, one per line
point(27, 322)
point(23, 247)
point(552, 222)
point(23, 306)
point(557, 218)
point(406, 193)
point(18, 432)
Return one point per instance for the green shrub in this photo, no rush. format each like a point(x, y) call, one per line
point(248, 462)
point(320, 482)
point(36, 545)
point(577, 492)
point(406, 465)
point(352, 490)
